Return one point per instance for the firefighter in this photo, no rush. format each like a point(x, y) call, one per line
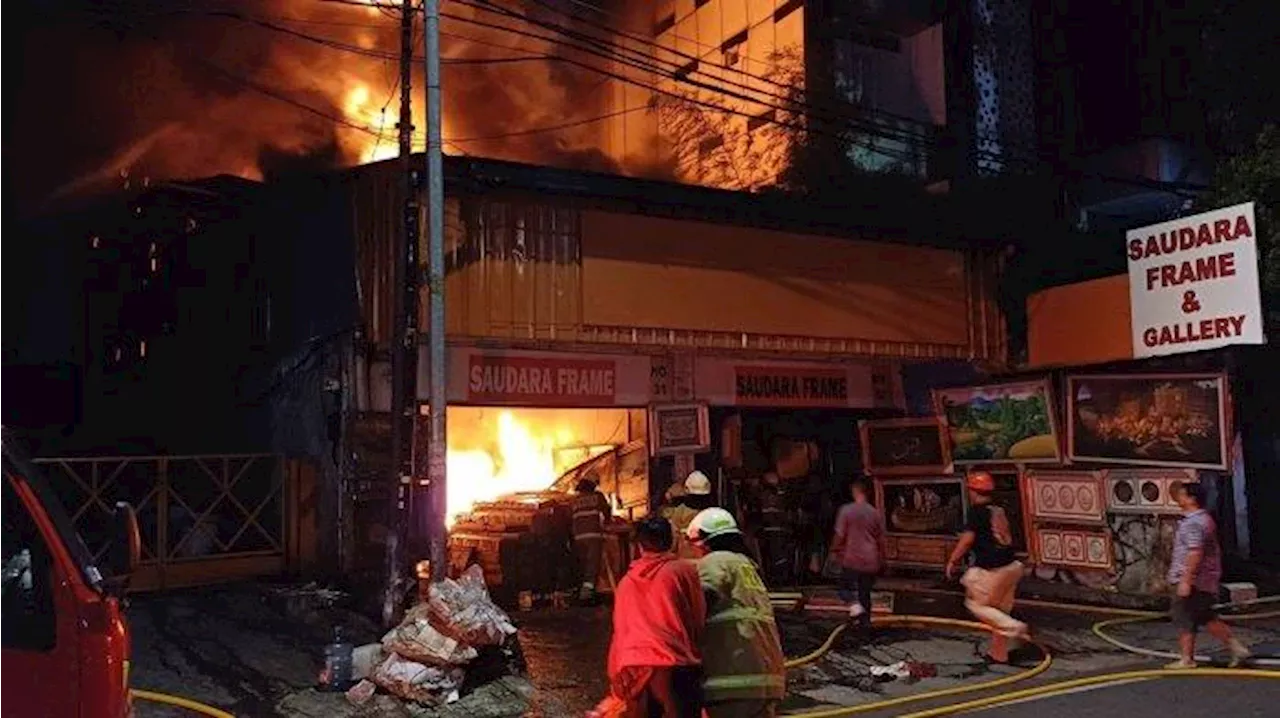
point(741, 651)
point(697, 496)
point(590, 510)
point(777, 543)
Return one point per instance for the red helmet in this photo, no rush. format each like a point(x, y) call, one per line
point(981, 481)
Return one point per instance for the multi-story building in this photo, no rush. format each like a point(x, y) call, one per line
point(932, 91)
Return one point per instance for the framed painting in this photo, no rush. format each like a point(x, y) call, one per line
point(1087, 548)
point(892, 447)
point(679, 428)
point(915, 507)
point(1177, 420)
point(1010, 423)
point(1073, 497)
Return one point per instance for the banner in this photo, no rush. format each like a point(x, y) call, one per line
point(1193, 283)
point(535, 381)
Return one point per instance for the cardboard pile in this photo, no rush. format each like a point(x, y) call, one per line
point(424, 658)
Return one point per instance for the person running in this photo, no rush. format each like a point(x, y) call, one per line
point(659, 612)
point(745, 675)
point(992, 580)
point(859, 544)
point(1195, 573)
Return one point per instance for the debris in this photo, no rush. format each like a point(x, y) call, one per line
point(427, 685)
point(365, 658)
point(362, 692)
point(463, 610)
point(418, 640)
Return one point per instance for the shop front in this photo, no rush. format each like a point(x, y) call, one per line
point(523, 427)
point(784, 447)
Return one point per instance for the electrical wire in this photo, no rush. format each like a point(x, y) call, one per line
point(796, 126)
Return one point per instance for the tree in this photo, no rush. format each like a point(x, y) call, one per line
point(1254, 175)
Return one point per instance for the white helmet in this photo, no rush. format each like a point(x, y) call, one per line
point(710, 523)
point(697, 484)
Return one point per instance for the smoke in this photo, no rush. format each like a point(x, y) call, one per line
point(155, 88)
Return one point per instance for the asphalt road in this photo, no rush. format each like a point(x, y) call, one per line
point(1161, 698)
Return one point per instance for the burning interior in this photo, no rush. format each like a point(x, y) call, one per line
point(511, 471)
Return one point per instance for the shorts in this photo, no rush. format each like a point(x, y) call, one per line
point(1194, 611)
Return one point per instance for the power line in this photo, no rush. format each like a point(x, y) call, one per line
point(796, 126)
point(552, 128)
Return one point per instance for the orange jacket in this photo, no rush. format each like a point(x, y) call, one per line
point(658, 614)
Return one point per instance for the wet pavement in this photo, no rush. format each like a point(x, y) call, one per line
point(251, 652)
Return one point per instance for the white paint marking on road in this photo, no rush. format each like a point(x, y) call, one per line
point(1055, 694)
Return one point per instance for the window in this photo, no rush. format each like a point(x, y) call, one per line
point(763, 119)
point(664, 24)
point(786, 9)
point(709, 145)
point(732, 48)
point(30, 623)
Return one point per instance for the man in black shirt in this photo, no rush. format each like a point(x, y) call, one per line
point(992, 580)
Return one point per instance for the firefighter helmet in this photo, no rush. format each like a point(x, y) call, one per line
point(697, 484)
point(981, 481)
point(710, 523)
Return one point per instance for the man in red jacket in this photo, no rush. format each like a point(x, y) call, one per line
point(658, 614)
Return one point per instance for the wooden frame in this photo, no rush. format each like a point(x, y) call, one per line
point(1137, 485)
point(1072, 547)
point(1076, 414)
point(967, 395)
point(679, 428)
point(1069, 497)
point(907, 445)
point(886, 513)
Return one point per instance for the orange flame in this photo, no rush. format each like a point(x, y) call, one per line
point(523, 454)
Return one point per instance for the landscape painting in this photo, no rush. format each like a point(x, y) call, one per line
point(1000, 423)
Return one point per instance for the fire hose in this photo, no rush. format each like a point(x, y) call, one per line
point(1042, 691)
point(180, 702)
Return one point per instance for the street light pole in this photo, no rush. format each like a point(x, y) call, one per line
point(438, 397)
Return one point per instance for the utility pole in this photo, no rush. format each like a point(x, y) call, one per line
point(404, 337)
point(438, 398)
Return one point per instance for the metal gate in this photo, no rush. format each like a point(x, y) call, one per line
point(204, 519)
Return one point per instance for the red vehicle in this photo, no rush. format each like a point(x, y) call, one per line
point(65, 640)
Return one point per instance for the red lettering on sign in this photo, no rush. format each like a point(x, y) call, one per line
point(1194, 331)
point(541, 381)
point(1202, 269)
point(1184, 239)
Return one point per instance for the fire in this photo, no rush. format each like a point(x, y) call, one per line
point(523, 455)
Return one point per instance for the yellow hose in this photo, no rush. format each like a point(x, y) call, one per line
point(180, 702)
point(914, 621)
point(1100, 626)
point(1054, 688)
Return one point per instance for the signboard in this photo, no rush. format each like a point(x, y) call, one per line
point(790, 386)
point(530, 380)
point(1193, 283)
point(904, 446)
point(678, 428)
point(722, 381)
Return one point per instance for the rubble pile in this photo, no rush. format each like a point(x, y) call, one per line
point(425, 658)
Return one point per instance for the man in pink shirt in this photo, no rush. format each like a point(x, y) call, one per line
point(859, 544)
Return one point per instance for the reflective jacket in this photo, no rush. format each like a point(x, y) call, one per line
point(589, 510)
point(680, 516)
point(741, 651)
